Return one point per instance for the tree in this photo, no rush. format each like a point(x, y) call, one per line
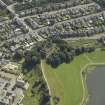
point(68, 57)
point(56, 61)
point(56, 100)
point(18, 55)
point(62, 56)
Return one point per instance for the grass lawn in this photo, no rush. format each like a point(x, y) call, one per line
point(82, 42)
point(65, 81)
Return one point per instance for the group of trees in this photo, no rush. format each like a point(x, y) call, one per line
point(65, 53)
point(66, 56)
point(55, 51)
point(101, 2)
point(30, 57)
point(61, 55)
point(40, 88)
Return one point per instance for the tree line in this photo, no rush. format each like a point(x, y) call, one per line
point(55, 51)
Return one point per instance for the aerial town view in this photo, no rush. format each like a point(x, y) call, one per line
point(52, 52)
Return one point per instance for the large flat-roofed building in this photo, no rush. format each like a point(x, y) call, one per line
point(11, 85)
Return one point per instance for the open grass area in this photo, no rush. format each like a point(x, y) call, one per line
point(84, 42)
point(65, 81)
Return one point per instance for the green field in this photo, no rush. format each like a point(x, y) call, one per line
point(65, 82)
